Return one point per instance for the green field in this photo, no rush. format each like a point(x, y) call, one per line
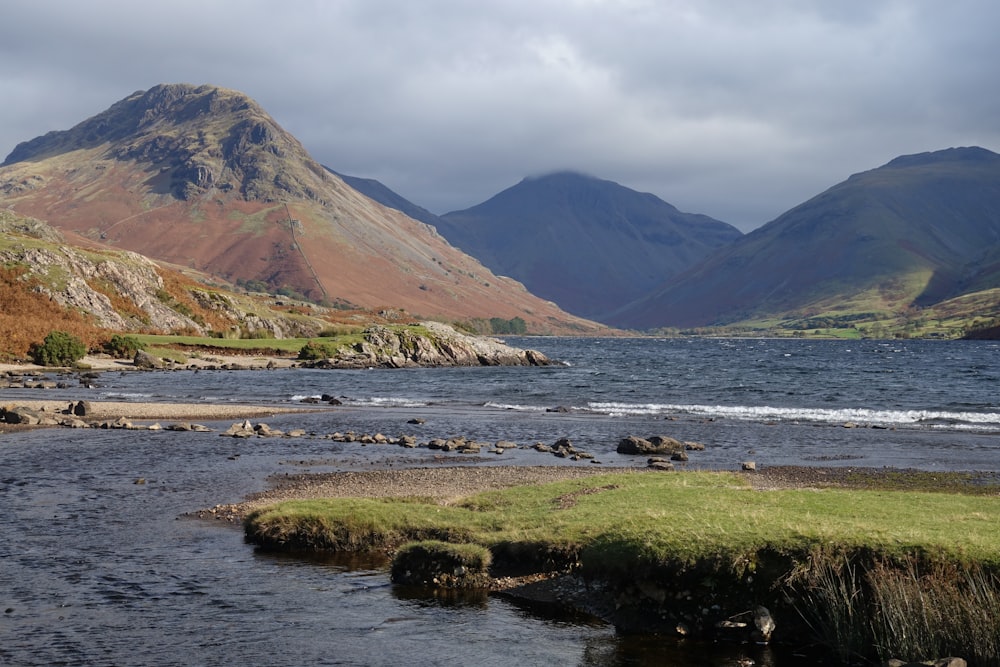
point(289, 346)
point(618, 520)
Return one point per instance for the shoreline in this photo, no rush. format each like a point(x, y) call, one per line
point(103, 363)
point(149, 411)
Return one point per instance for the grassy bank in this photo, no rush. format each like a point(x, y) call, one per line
point(289, 346)
point(694, 548)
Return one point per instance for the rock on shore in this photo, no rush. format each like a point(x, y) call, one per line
point(429, 344)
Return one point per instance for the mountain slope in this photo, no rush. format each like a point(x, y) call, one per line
point(379, 192)
point(202, 177)
point(47, 283)
point(913, 232)
point(588, 244)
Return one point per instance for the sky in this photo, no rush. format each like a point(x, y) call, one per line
point(736, 109)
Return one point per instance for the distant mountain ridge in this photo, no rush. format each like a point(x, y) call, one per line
point(202, 177)
point(914, 232)
point(590, 245)
point(381, 193)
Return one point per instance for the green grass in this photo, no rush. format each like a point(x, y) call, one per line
point(621, 520)
point(167, 353)
point(340, 336)
point(288, 345)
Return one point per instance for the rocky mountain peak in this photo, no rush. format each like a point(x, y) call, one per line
point(197, 138)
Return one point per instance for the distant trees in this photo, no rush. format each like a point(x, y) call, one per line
point(513, 326)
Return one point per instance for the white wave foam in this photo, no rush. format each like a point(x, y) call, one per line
point(386, 402)
point(125, 394)
point(513, 406)
point(931, 418)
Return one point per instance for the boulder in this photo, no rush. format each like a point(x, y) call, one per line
point(20, 415)
point(240, 430)
point(632, 444)
point(186, 426)
point(657, 444)
point(665, 444)
point(144, 359)
point(763, 625)
point(264, 430)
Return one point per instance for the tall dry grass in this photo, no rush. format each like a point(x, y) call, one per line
point(909, 609)
point(27, 316)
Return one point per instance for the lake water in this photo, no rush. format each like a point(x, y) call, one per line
point(98, 570)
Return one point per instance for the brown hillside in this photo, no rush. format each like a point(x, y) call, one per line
point(202, 177)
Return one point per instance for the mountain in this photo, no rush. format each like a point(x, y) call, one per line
point(202, 177)
point(379, 192)
point(589, 245)
point(592, 232)
point(911, 233)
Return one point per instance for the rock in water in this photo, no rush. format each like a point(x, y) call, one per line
point(764, 624)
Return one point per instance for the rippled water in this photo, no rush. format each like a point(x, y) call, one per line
point(98, 570)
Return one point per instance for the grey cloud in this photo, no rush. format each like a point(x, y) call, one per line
point(738, 110)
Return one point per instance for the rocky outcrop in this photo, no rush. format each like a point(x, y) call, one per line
point(266, 324)
point(127, 292)
point(83, 280)
point(428, 344)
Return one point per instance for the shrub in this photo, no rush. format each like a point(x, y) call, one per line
point(122, 347)
point(313, 351)
point(58, 349)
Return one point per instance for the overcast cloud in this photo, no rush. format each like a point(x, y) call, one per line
point(736, 109)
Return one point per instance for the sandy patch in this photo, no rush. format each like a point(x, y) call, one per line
point(101, 410)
